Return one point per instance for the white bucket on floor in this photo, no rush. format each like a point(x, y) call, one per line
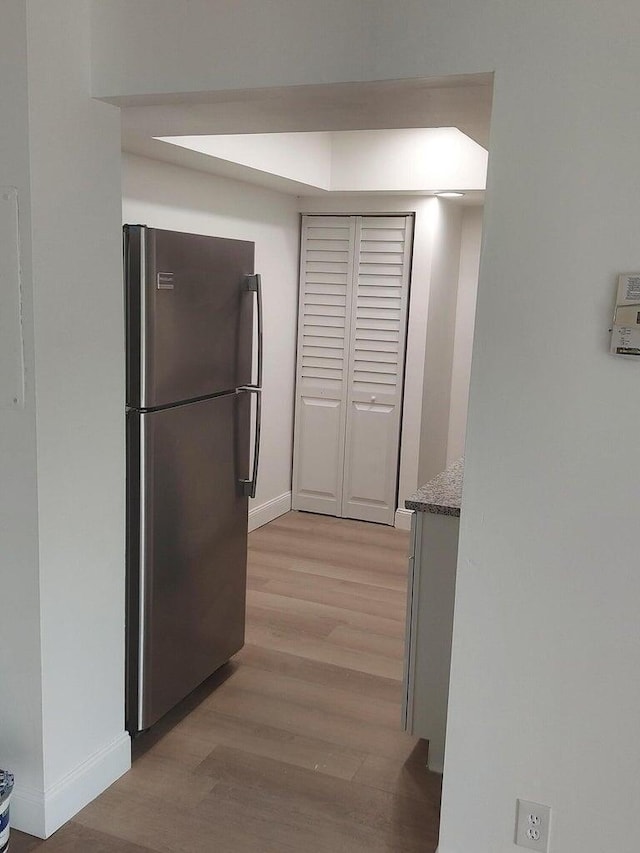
point(6, 789)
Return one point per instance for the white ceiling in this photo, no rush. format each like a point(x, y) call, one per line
point(398, 161)
point(462, 102)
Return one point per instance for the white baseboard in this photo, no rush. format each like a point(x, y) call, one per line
point(266, 512)
point(42, 813)
point(403, 518)
point(26, 811)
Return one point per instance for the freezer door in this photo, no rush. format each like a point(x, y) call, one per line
point(187, 549)
point(189, 315)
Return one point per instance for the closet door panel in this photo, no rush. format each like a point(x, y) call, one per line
point(319, 450)
point(372, 460)
point(326, 273)
point(379, 303)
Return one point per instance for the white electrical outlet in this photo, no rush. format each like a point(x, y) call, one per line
point(532, 826)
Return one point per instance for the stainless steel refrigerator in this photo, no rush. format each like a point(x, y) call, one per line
point(190, 304)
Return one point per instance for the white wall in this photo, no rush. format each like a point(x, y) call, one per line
point(162, 44)
point(470, 242)
point(165, 196)
point(544, 693)
point(440, 336)
point(63, 603)
point(21, 692)
point(80, 410)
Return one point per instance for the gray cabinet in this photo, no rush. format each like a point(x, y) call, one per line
point(430, 600)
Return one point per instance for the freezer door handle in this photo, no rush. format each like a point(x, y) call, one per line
point(249, 486)
point(254, 285)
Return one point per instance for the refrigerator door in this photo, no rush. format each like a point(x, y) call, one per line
point(187, 549)
point(189, 315)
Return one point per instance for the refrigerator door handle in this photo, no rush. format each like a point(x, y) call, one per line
point(249, 486)
point(254, 285)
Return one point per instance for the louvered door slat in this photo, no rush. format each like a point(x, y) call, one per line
point(335, 267)
point(328, 245)
point(380, 233)
point(325, 234)
point(318, 313)
point(365, 312)
point(379, 281)
point(367, 301)
point(381, 257)
point(376, 335)
point(324, 299)
point(322, 338)
point(373, 355)
point(378, 291)
point(326, 351)
point(332, 361)
point(324, 256)
point(372, 324)
point(378, 246)
point(378, 269)
point(326, 278)
point(331, 289)
point(399, 223)
point(378, 365)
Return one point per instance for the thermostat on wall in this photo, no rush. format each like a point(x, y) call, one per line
point(625, 334)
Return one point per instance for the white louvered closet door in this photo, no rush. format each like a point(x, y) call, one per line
point(351, 343)
point(379, 303)
point(326, 272)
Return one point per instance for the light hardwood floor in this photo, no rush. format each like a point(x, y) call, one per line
point(295, 746)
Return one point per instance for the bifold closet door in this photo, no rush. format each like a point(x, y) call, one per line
point(376, 367)
point(354, 275)
point(326, 273)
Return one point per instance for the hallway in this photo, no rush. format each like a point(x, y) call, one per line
point(299, 747)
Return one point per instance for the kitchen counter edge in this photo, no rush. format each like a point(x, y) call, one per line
point(441, 495)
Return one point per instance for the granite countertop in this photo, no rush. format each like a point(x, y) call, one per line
point(442, 495)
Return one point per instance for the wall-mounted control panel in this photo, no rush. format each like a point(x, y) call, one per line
point(625, 334)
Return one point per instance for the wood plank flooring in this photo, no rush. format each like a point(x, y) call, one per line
point(295, 746)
